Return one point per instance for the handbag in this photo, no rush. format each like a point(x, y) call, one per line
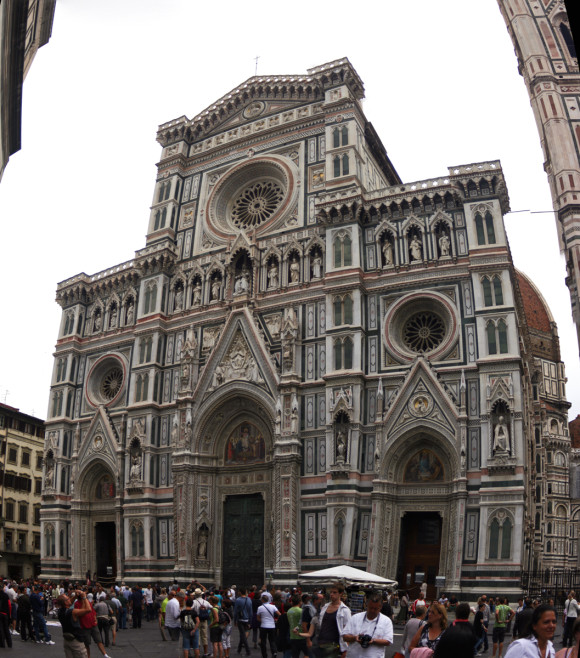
point(421, 652)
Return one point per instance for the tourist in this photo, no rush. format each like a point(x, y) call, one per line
point(539, 643)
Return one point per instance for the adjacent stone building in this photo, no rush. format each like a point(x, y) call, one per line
point(22, 445)
point(309, 362)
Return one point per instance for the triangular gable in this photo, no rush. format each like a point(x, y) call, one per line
point(421, 399)
point(100, 441)
point(239, 355)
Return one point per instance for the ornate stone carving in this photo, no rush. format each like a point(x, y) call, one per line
point(238, 363)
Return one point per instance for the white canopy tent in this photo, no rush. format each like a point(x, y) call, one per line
point(347, 576)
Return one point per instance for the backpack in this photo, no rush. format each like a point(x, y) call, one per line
point(188, 622)
point(223, 618)
point(203, 613)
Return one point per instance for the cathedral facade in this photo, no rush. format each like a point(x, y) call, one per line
point(309, 363)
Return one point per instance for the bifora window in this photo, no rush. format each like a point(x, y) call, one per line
point(423, 331)
point(256, 204)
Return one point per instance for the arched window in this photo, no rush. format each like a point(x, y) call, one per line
point(491, 339)
point(163, 218)
point(150, 297)
point(336, 138)
point(568, 40)
point(345, 167)
point(502, 336)
point(49, 541)
point(487, 296)
point(340, 165)
point(343, 353)
point(489, 228)
point(497, 291)
point(137, 540)
point(500, 538)
point(344, 135)
point(497, 337)
point(342, 310)
point(338, 354)
point(336, 166)
point(479, 229)
point(484, 229)
point(348, 349)
point(492, 291)
point(157, 220)
point(342, 250)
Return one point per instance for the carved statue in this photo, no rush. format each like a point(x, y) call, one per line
point(501, 439)
point(274, 322)
point(388, 252)
point(317, 266)
point(178, 299)
point(130, 312)
point(340, 447)
point(273, 275)
point(197, 294)
point(415, 248)
point(294, 270)
point(98, 321)
point(135, 472)
point(444, 245)
point(215, 289)
point(113, 318)
point(202, 543)
point(174, 432)
point(242, 284)
point(49, 474)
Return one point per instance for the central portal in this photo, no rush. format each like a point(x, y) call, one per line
point(105, 544)
point(419, 552)
point(243, 545)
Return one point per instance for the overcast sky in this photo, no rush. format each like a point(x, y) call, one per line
point(442, 89)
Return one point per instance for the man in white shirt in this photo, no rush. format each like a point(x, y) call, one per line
point(172, 615)
point(571, 608)
point(368, 633)
point(267, 615)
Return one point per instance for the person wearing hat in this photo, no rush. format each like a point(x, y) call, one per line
point(203, 610)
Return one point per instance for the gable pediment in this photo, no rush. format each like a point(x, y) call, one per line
point(100, 441)
point(421, 402)
point(240, 355)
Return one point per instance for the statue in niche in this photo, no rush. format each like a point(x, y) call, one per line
point(415, 249)
point(113, 318)
point(130, 312)
point(501, 439)
point(274, 322)
point(135, 472)
point(294, 270)
point(178, 299)
point(387, 252)
point(187, 434)
point(242, 283)
point(174, 432)
point(444, 245)
point(340, 447)
point(216, 285)
point(202, 543)
point(98, 323)
point(196, 301)
point(317, 266)
point(49, 474)
point(273, 275)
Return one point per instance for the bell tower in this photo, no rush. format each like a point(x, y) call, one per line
point(548, 62)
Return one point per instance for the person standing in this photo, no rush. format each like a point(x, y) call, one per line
point(242, 617)
point(334, 617)
point(503, 615)
point(148, 594)
point(5, 619)
point(69, 617)
point(38, 621)
point(267, 615)
point(294, 614)
point(571, 609)
point(136, 603)
point(25, 615)
point(173, 614)
point(539, 643)
point(411, 627)
point(203, 609)
point(215, 629)
point(369, 633)
point(430, 634)
point(189, 629)
point(459, 638)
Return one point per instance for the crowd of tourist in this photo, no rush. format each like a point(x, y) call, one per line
point(287, 622)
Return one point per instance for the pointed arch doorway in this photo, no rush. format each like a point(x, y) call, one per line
point(243, 543)
point(106, 553)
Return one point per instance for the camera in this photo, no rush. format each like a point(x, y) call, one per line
point(364, 640)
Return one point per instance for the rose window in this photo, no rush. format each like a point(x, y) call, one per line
point(111, 383)
point(423, 332)
point(256, 204)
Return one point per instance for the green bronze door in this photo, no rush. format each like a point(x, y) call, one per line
point(243, 547)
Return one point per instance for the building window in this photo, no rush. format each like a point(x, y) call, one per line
point(340, 165)
point(500, 538)
point(340, 137)
point(342, 310)
point(164, 191)
point(142, 388)
point(9, 510)
point(25, 458)
point(36, 515)
point(485, 229)
point(23, 513)
point(12, 454)
point(22, 542)
point(497, 337)
point(137, 540)
point(568, 40)
point(150, 297)
point(145, 347)
point(69, 323)
point(342, 250)
point(50, 541)
point(37, 487)
point(343, 350)
point(492, 291)
point(36, 542)
point(8, 545)
point(60, 369)
point(39, 462)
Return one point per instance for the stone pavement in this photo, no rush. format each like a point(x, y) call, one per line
point(146, 642)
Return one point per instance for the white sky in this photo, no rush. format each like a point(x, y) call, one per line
point(442, 89)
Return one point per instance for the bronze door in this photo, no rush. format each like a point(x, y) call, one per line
point(243, 544)
point(419, 551)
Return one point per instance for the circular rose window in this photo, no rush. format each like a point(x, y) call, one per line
point(423, 332)
point(106, 380)
point(256, 204)
point(111, 383)
point(423, 323)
